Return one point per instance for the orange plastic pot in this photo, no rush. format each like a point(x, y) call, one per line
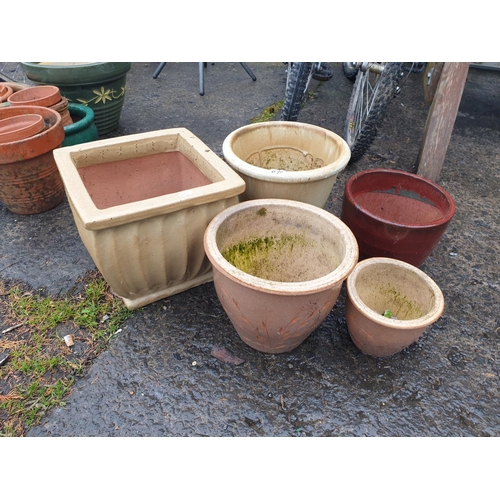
point(29, 179)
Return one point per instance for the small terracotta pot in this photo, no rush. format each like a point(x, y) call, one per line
point(396, 214)
point(5, 92)
point(278, 267)
point(389, 305)
point(20, 127)
point(42, 95)
point(29, 180)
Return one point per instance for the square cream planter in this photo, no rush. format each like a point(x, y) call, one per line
point(141, 204)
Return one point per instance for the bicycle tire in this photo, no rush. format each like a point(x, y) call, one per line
point(323, 73)
point(298, 78)
point(371, 97)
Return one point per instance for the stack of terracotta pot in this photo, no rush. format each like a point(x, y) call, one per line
point(43, 95)
point(31, 127)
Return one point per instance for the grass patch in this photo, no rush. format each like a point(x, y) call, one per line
point(38, 368)
point(268, 113)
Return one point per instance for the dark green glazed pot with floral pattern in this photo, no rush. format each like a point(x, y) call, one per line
point(99, 85)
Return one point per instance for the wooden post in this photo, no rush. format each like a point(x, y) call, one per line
point(441, 119)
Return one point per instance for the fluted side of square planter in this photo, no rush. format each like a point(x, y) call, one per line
point(152, 247)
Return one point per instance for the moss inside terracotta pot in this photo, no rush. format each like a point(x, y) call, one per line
point(280, 257)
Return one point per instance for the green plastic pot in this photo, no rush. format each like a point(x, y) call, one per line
point(100, 86)
point(83, 128)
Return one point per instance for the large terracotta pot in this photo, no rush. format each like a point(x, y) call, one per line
point(389, 305)
point(29, 180)
point(396, 214)
point(286, 160)
point(141, 204)
point(100, 85)
point(278, 268)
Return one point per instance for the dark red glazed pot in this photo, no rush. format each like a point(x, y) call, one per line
point(396, 214)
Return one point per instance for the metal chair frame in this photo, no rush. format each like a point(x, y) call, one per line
point(201, 71)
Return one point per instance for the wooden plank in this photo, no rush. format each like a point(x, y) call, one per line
point(441, 119)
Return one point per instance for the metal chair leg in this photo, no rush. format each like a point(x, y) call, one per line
point(249, 71)
point(201, 67)
point(158, 70)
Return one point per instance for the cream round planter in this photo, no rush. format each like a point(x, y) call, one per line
point(278, 267)
point(141, 204)
point(389, 305)
point(286, 160)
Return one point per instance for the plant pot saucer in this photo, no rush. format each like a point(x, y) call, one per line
point(16, 128)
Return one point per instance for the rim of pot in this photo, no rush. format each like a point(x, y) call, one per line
point(85, 115)
point(48, 139)
point(34, 126)
point(433, 315)
point(51, 95)
point(286, 176)
point(339, 274)
point(445, 219)
point(75, 74)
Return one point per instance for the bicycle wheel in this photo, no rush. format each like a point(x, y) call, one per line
point(322, 72)
point(372, 93)
point(298, 77)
